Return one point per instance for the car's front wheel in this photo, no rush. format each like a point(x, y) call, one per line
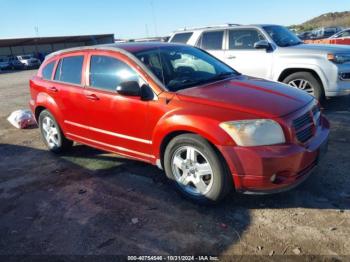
point(52, 133)
point(196, 169)
point(306, 82)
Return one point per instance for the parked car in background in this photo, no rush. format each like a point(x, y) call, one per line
point(343, 34)
point(210, 128)
point(273, 52)
point(305, 35)
point(325, 32)
point(24, 62)
point(341, 38)
point(4, 63)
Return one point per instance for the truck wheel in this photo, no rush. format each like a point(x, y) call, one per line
point(196, 169)
point(307, 82)
point(52, 133)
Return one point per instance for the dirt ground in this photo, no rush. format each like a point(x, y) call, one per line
point(89, 202)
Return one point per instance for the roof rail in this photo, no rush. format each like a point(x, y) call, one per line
point(207, 27)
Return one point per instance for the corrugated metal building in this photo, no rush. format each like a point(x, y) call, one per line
point(46, 45)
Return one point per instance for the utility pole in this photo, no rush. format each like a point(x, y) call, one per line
point(36, 29)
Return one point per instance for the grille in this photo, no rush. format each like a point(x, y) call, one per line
point(344, 76)
point(303, 127)
point(316, 112)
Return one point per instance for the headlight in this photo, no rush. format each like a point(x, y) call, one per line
point(255, 132)
point(339, 58)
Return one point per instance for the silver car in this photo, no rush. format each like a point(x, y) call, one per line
point(275, 53)
point(24, 62)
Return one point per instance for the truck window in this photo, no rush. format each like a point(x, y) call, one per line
point(244, 38)
point(181, 38)
point(211, 40)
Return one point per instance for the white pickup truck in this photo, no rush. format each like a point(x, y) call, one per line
point(275, 53)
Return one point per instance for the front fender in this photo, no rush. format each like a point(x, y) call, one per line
point(317, 69)
point(203, 126)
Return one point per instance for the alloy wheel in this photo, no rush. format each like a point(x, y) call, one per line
point(50, 132)
point(192, 170)
point(303, 85)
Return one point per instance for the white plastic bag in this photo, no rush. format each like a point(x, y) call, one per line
point(22, 119)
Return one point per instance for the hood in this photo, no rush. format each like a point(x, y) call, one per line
point(324, 48)
point(252, 95)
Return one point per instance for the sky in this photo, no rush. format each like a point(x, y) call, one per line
point(146, 18)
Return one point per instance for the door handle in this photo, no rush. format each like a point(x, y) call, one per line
point(92, 97)
point(53, 89)
point(231, 57)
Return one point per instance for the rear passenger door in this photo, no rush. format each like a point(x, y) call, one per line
point(67, 90)
point(242, 56)
point(213, 42)
point(116, 122)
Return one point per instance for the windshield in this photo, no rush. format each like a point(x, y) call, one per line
point(179, 67)
point(26, 57)
point(282, 36)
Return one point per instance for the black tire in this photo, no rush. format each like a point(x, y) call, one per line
point(63, 144)
point(222, 182)
point(314, 82)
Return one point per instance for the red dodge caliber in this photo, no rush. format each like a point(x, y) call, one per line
point(210, 128)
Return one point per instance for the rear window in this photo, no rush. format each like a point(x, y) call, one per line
point(211, 40)
point(69, 69)
point(47, 70)
point(181, 38)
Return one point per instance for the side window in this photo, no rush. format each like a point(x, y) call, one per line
point(47, 70)
point(345, 34)
point(244, 38)
point(69, 69)
point(211, 40)
point(108, 72)
point(181, 38)
point(186, 63)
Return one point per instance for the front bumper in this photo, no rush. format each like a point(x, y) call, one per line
point(338, 85)
point(253, 168)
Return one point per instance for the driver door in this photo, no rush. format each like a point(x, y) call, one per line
point(115, 121)
point(242, 56)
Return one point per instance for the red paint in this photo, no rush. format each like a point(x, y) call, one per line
point(136, 128)
point(330, 41)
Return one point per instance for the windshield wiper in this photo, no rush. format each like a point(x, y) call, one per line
point(221, 76)
point(292, 44)
point(191, 82)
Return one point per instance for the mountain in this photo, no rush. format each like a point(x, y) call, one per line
point(325, 20)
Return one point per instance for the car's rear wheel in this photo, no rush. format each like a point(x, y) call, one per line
point(196, 169)
point(306, 82)
point(52, 133)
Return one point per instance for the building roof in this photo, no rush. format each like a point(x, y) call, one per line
point(51, 40)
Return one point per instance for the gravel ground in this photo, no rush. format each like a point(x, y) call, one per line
point(89, 202)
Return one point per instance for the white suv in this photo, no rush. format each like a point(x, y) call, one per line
point(275, 53)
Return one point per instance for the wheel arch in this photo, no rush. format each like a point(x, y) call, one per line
point(166, 140)
point(37, 112)
point(46, 102)
point(288, 71)
point(174, 133)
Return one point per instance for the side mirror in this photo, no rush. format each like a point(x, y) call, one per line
point(262, 44)
point(129, 88)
